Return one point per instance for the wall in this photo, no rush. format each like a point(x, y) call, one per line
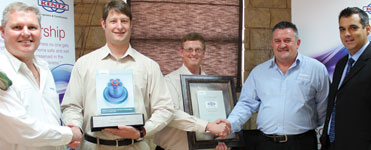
point(89, 34)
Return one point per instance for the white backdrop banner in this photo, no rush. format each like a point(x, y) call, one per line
point(57, 44)
point(317, 22)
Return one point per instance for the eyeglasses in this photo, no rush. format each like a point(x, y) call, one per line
point(197, 50)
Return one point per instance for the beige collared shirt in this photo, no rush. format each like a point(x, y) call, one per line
point(174, 136)
point(29, 114)
point(151, 94)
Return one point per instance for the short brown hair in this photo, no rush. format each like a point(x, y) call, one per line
point(116, 5)
point(193, 36)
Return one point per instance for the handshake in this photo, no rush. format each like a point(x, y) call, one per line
point(220, 127)
point(76, 138)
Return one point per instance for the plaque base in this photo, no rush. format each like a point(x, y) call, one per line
point(98, 123)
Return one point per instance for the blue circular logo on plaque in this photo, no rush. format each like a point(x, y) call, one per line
point(115, 92)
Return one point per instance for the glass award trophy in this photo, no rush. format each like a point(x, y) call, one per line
point(115, 101)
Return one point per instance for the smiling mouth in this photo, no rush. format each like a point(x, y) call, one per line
point(26, 42)
point(120, 33)
point(349, 41)
point(282, 50)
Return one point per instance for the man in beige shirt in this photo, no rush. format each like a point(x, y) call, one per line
point(151, 96)
point(174, 137)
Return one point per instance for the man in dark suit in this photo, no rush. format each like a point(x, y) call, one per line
point(348, 119)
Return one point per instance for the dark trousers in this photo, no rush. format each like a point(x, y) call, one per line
point(307, 141)
point(332, 146)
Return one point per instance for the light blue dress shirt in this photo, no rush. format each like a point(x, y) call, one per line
point(290, 103)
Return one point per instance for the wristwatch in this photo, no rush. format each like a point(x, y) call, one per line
point(142, 132)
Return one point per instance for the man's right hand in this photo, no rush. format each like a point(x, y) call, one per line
point(220, 127)
point(224, 121)
point(76, 138)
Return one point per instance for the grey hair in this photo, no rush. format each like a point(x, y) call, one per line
point(19, 6)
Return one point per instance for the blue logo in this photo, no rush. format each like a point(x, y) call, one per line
point(367, 8)
point(115, 92)
point(57, 6)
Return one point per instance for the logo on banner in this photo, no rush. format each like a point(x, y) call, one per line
point(57, 6)
point(367, 8)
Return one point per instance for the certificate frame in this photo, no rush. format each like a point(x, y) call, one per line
point(192, 85)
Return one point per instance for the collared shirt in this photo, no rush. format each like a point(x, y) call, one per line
point(30, 114)
point(290, 103)
point(174, 136)
point(151, 95)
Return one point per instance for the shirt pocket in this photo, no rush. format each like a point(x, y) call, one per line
point(304, 90)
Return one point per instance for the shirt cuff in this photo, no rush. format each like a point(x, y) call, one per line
point(66, 134)
point(234, 126)
point(200, 125)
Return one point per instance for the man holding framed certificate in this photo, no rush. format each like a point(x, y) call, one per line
point(174, 136)
point(115, 88)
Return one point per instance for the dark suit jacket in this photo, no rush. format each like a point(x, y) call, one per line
point(353, 105)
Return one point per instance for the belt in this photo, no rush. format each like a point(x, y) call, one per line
point(159, 148)
point(284, 138)
point(119, 142)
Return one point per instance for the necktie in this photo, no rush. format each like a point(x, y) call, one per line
point(332, 123)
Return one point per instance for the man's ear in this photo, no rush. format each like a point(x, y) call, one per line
point(181, 52)
point(368, 28)
point(298, 42)
point(103, 24)
point(2, 31)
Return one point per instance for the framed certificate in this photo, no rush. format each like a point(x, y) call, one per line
point(209, 98)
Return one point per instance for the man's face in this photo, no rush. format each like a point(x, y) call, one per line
point(192, 53)
point(352, 35)
point(21, 34)
point(117, 28)
point(285, 45)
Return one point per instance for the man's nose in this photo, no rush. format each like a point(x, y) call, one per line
point(282, 44)
point(347, 33)
point(25, 31)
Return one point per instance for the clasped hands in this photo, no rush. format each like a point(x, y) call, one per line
point(220, 127)
point(76, 137)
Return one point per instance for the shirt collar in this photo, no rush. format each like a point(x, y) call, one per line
point(185, 69)
point(298, 59)
point(359, 53)
point(16, 63)
point(106, 52)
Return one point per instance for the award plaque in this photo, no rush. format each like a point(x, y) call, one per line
point(209, 98)
point(98, 123)
point(115, 100)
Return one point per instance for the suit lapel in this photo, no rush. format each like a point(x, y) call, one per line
point(361, 62)
point(335, 84)
point(339, 72)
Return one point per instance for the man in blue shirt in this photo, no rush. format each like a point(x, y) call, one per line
point(289, 91)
